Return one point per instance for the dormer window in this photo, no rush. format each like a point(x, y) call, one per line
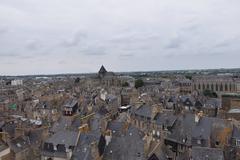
point(199, 142)
point(153, 132)
point(238, 142)
point(184, 140)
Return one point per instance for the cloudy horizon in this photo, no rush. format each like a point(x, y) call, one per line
point(76, 36)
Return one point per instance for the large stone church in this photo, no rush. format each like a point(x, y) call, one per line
point(108, 78)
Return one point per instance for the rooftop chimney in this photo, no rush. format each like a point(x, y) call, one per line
point(198, 116)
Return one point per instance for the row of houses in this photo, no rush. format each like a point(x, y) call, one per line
point(218, 84)
point(182, 133)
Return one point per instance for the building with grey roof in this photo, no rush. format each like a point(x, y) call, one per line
point(4, 150)
point(70, 107)
point(202, 153)
point(20, 147)
point(129, 145)
point(192, 130)
point(60, 145)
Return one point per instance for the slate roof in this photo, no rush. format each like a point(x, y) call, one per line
point(68, 138)
point(19, 144)
point(129, 146)
point(83, 149)
point(186, 128)
point(144, 110)
point(236, 133)
point(200, 153)
point(167, 119)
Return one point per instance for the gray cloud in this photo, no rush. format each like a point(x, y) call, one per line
point(157, 35)
point(175, 43)
point(3, 30)
point(95, 51)
point(33, 45)
point(77, 39)
point(62, 62)
point(126, 55)
point(8, 55)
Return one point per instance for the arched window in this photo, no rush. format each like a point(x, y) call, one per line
point(212, 87)
point(221, 87)
point(208, 86)
point(216, 87)
point(199, 86)
point(226, 87)
point(233, 87)
point(203, 86)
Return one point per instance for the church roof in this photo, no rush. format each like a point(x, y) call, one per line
point(102, 70)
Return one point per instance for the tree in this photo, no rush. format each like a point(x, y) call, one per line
point(139, 83)
point(77, 80)
point(188, 77)
point(125, 84)
point(209, 93)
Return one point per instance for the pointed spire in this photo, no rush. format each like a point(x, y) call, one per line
point(102, 70)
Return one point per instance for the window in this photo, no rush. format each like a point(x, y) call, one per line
point(216, 87)
point(181, 147)
point(199, 142)
point(153, 132)
point(212, 88)
point(226, 87)
point(238, 142)
point(158, 133)
point(221, 87)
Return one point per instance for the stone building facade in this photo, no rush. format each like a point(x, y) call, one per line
point(108, 78)
point(218, 84)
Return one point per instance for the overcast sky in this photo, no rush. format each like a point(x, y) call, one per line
point(75, 36)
